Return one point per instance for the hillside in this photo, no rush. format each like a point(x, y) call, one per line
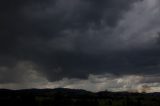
point(73, 97)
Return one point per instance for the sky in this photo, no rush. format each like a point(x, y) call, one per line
point(81, 44)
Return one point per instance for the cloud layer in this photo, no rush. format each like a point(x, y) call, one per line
point(73, 39)
point(94, 83)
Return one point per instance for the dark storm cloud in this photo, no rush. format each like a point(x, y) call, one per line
point(75, 38)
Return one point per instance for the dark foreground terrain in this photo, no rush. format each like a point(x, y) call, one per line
point(70, 97)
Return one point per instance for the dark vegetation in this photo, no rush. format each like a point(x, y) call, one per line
point(70, 97)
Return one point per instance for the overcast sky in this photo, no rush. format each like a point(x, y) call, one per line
point(84, 44)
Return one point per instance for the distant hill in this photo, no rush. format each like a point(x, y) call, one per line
point(75, 97)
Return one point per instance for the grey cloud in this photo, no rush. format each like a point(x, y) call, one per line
point(20, 73)
point(77, 38)
point(130, 83)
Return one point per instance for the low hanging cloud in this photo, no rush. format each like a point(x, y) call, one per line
point(94, 83)
point(75, 39)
